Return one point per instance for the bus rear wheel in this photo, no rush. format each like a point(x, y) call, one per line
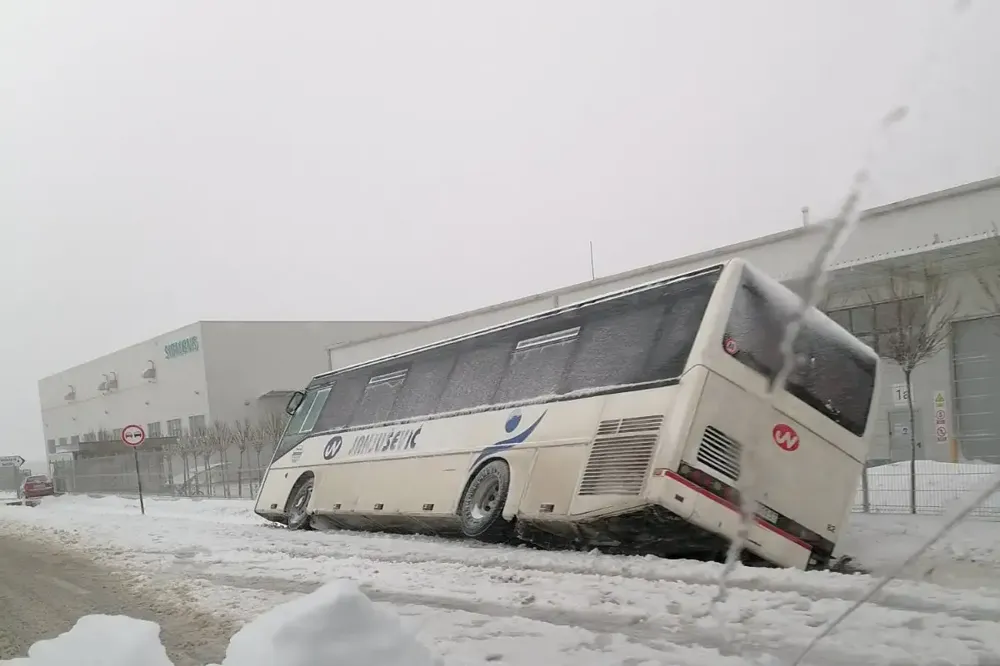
point(298, 505)
point(481, 510)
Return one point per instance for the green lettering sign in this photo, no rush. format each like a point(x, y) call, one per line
point(181, 347)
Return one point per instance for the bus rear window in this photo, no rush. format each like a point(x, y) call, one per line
point(834, 372)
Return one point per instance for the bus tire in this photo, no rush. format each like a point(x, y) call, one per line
point(481, 510)
point(296, 511)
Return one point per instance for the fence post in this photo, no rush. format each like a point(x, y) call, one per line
point(865, 498)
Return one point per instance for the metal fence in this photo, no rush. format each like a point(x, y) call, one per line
point(161, 473)
point(886, 488)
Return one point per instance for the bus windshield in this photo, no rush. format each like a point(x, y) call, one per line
point(834, 372)
point(303, 421)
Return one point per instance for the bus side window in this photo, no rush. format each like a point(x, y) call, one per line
point(340, 406)
point(679, 327)
point(613, 348)
point(477, 373)
point(423, 386)
point(379, 396)
point(537, 366)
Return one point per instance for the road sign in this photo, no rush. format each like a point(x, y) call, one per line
point(11, 461)
point(133, 435)
point(940, 417)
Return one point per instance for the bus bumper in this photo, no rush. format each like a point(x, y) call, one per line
point(716, 515)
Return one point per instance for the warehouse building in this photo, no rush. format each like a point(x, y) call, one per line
point(941, 250)
point(183, 381)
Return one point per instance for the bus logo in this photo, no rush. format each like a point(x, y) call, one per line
point(332, 447)
point(785, 437)
point(511, 425)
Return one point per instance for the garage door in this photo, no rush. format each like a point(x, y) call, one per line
point(976, 358)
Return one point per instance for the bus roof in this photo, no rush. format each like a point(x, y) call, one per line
point(652, 284)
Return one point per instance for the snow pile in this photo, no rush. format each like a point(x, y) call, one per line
point(335, 625)
point(215, 510)
point(100, 640)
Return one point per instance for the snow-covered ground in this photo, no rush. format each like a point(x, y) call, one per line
point(336, 624)
point(477, 604)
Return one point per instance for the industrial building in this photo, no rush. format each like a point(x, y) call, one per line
point(941, 246)
point(185, 380)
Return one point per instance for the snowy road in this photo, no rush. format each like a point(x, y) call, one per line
point(476, 604)
point(45, 589)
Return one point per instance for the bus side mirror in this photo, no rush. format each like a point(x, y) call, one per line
point(294, 402)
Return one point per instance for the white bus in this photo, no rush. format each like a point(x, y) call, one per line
point(616, 422)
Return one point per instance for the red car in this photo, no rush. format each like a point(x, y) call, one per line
point(39, 485)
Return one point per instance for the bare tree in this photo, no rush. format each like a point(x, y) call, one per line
point(269, 430)
point(920, 315)
point(168, 450)
point(217, 438)
point(188, 450)
point(243, 435)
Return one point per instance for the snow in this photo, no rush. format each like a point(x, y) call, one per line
point(479, 604)
point(100, 640)
point(336, 624)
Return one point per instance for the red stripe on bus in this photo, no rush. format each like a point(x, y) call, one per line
point(729, 505)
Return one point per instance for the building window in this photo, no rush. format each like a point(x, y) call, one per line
point(174, 428)
point(196, 424)
point(153, 429)
point(50, 446)
point(873, 324)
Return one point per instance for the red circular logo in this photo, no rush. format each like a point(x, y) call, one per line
point(785, 437)
point(730, 346)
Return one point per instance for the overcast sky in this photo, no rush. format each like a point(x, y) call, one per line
point(163, 162)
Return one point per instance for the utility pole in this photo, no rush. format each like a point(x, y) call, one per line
point(593, 273)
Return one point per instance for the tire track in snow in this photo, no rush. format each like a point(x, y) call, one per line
point(921, 598)
point(690, 632)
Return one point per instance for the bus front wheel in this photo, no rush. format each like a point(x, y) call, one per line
point(481, 510)
point(298, 505)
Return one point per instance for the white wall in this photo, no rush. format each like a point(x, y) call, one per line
point(178, 391)
point(244, 360)
point(339, 356)
point(235, 362)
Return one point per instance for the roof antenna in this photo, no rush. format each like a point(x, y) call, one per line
point(805, 216)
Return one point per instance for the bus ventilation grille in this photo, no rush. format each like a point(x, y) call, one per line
point(720, 452)
point(620, 456)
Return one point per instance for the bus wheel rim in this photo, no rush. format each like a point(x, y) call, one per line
point(299, 506)
point(484, 499)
